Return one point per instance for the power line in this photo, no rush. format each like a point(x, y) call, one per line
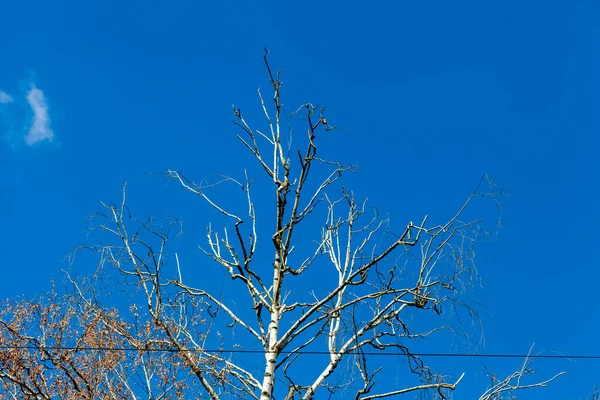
point(308, 352)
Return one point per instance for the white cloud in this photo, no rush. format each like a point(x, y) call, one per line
point(5, 98)
point(40, 126)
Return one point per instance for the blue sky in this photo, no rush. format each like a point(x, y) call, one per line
point(93, 94)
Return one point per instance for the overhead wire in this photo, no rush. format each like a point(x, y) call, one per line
point(311, 352)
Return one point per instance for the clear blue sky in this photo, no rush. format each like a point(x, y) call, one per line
point(454, 89)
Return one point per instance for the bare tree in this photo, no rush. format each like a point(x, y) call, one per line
point(503, 388)
point(594, 393)
point(378, 291)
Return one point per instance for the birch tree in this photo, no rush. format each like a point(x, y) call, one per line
point(308, 316)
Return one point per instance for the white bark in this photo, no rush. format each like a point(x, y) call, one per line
point(371, 296)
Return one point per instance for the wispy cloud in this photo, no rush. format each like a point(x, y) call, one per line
point(40, 126)
point(5, 98)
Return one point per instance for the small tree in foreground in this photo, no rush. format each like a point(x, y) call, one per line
point(300, 319)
